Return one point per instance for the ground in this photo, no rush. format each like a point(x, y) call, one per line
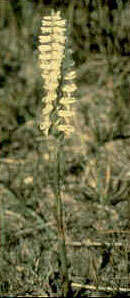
point(96, 186)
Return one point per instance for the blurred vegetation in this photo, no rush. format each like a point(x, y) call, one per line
point(97, 187)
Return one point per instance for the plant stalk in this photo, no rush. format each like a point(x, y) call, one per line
point(63, 266)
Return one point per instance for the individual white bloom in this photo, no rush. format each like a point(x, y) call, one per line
point(51, 96)
point(66, 114)
point(47, 67)
point(70, 75)
point(69, 88)
point(50, 59)
point(45, 38)
point(49, 79)
point(56, 66)
point(48, 18)
point(58, 30)
point(44, 48)
point(48, 70)
point(57, 46)
point(60, 54)
point(60, 39)
point(47, 29)
point(67, 129)
point(61, 23)
point(65, 101)
point(52, 85)
point(45, 62)
point(45, 56)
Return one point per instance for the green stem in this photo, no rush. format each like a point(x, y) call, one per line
point(60, 225)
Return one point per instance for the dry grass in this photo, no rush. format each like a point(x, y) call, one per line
point(96, 173)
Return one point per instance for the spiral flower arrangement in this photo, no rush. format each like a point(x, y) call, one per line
point(55, 62)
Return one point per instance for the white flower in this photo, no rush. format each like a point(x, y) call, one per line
point(65, 101)
point(45, 38)
point(69, 88)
